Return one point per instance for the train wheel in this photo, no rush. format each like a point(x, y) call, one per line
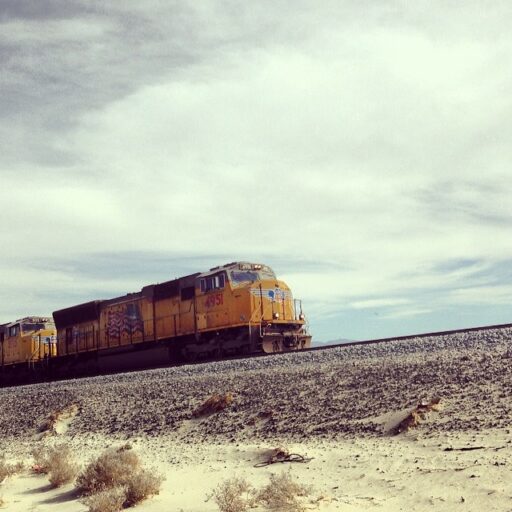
point(217, 353)
point(190, 356)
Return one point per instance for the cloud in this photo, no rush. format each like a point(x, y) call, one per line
point(401, 313)
point(495, 294)
point(379, 303)
point(51, 32)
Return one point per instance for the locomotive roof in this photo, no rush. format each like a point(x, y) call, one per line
point(88, 311)
point(77, 314)
point(29, 320)
point(239, 265)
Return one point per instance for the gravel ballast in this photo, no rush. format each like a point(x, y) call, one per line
point(338, 392)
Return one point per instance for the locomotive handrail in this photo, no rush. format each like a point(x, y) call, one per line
point(31, 359)
point(36, 355)
point(256, 322)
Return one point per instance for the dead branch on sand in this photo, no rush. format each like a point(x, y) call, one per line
point(58, 418)
point(418, 415)
point(282, 455)
point(215, 403)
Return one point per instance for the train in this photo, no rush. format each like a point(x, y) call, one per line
point(239, 308)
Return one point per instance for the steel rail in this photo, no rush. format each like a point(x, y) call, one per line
point(409, 337)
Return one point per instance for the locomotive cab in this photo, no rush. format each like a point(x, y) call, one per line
point(261, 308)
point(28, 340)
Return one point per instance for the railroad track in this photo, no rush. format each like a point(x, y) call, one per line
point(311, 349)
point(338, 345)
point(409, 337)
point(350, 344)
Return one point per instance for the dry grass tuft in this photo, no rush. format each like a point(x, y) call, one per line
point(58, 462)
point(62, 467)
point(283, 494)
point(215, 403)
point(234, 495)
point(109, 500)
point(41, 459)
point(111, 469)
point(418, 415)
point(7, 469)
point(114, 470)
point(140, 486)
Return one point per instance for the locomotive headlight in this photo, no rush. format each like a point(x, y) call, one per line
point(302, 316)
point(275, 316)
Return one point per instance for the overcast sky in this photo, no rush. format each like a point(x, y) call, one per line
point(362, 149)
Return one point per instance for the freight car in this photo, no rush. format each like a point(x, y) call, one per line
point(237, 308)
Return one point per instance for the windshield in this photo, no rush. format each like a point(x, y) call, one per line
point(243, 276)
point(250, 276)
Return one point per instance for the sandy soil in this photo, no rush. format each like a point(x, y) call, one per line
point(339, 407)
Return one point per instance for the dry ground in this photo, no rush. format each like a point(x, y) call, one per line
point(339, 406)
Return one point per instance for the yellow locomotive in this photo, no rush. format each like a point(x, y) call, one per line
point(240, 307)
point(27, 341)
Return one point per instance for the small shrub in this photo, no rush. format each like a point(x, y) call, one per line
point(109, 500)
point(41, 459)
point(57, 462)
point(112, 468)
point(7, 469)
point(234, 495)
point(140, 486)
point(62, 468)
point(282, 494)
point(119, 471)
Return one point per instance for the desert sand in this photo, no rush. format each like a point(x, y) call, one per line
point(340, 408)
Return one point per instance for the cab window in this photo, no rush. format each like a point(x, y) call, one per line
point(244, 276)
point(212, 282)
point(13, 331)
